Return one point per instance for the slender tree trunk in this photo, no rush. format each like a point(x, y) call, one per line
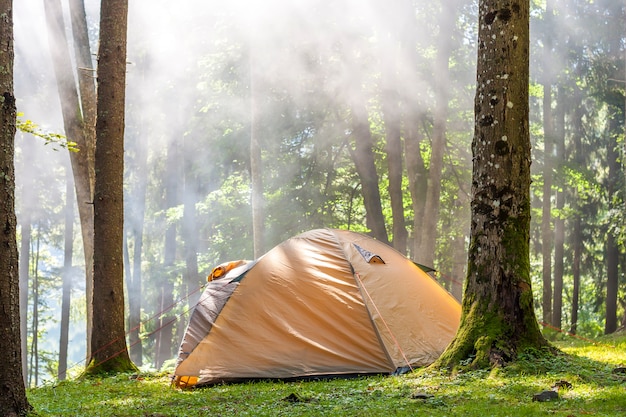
point(24, 273)
point(498, 319)
point(616, 122)
point(576, 234)
point(13, 401)
point(578, 247)
point(256, 161)
point(612, 246)
point(165, 334)
point(135, 276)
point(392, 118)
point(33, 376)
point(86, 80)
point(394, 160)
point(108, 342)
point(134, 225)
point(189, 231)
point(412, 119)
point(66, 295)
point(77, 129)
point(418, 178)
point(548, 139)
point(363, 157)
point(559, 221)
point(430, 220)
point(87, 88)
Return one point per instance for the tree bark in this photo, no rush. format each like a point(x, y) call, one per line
point(391, 50)
point(24, 268)
point(548, 139)
point(66, 292)
point(164, 336)
point(87, 89)
point(391, 114)
point(430, 221)
point(612, 235)
point(498, 320)
point(412, 119)
point(616, 123)
point(559, 221)
point(79, 130)
point(33, 366)
point(256, 161)
point(108, 342)
point(363, 157)
point(135, 226)
point(576, 234)
point(192, 278)
point(418, 177)
point(13, 401)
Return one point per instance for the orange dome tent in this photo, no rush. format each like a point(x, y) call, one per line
point(324, 303)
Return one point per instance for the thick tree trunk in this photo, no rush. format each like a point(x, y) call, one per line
point(13, 401)
point(108, 342)
point(498, 319)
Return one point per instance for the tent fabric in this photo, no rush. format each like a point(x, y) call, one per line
point(326, 302)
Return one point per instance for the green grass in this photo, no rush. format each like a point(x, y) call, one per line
point(595, 391)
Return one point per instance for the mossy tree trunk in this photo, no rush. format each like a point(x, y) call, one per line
point(108, 341)
point(498, 320)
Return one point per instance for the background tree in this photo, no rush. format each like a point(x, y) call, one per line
point(13, 401)
point(498, 319)
point(66, 291)
point(78, 110)
point(110, 353)
point(548, 141)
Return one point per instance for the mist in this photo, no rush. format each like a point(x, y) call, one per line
point(188, 101)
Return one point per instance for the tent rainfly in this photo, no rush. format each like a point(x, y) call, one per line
point(324, 303)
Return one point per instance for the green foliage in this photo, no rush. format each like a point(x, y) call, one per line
point(56, 139)
point(594, 390)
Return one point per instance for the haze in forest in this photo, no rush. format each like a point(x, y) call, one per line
point(191, 67)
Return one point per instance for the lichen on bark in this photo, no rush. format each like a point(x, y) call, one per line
point(498, 319)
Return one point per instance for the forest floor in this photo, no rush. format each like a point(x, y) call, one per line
point(590, 380)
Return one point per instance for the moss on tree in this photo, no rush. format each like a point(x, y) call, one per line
point(498, 321)
point(116, 365)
